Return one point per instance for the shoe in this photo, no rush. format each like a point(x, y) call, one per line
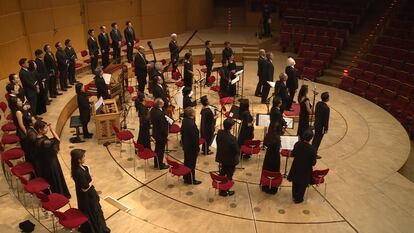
point(297, 201)
point(246, 157)
point(318, 157)
point(58, 93)
point(69, 86)
point(196, 182)
point(223, 193)
point(258, 95)
point(88, 135)
point(64, 89)
point(265, 102)
point(52, 96)
point(163, 166)
point(230, 192)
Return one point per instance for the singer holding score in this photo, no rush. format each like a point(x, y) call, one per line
point(305, 110)
point(322, 112)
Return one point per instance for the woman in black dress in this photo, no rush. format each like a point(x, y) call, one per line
point(88, 199)
point(224, 78)
point(305, 110)
point(144, 122)
point(247, 126)
point(207, 124)
point(84, 109)
point(187, 102)
point(188, 71)
point(41, 100)
point(271, 160)
point(232, 68)
point(47, 150)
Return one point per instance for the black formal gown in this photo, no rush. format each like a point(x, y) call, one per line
point(84, 111)
point(247, 128)
point(271, 160)
point(41, 96)
point(50, 169)
point(303, 118)
point(88, 202)
point(224, 81)
point(207, 127)
point(144, 125)
point(232, 87)
point(26, 114)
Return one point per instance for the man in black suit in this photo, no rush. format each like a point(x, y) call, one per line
point(41, 70)
point(209, 60)
point(129, 34)
point(276, 116)
point(228, 153)
point(269, 77)
point(63, 64)
point(101, 86)
point(159, 91)
point(141, 66)
point(71, 54)
point(103, 39)
point(159, 132)
point(30, 85)
point(292, 81)
point(93, 49)
point(322, 112)
point(174, 51)
point(52, 70)
point(189, 138)
point(261, 70)
point(227, 51)
point(281, 91)
point(116, 37)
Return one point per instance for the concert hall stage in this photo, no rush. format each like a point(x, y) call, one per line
point(364, 149)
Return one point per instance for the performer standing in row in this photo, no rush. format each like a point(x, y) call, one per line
point(227, 51)
point(15, 88)
point(292, 81)
point(63, 65)
point(322, 112)
point(207, 124)
point(187, 102)
point(247, 127)
point(101, 87)
point(261, 72)
point(224, 78)
point(209, 60)
point(304, 158)
point(305, 110)
point(281, 91)
point(190, 137)
point(228, 153)
point(41, 70)
point(41, 100)
point(269, 77)
point(104, 44)
point(84, 109)
point(71, 54)
point(129, 34)
point(159, 90)
point(188, 71)
point(30, 85)
point(174, 52)
point(271, 161)
point(159, 132)
point(141, 69)
point(93, 49)
point(276, 116)
point(116, 38)
point(144, 137)
point(232, 69)
point(52, 71)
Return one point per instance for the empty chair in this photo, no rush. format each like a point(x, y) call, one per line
point(70, 219)
point(356, 72)
point(383, 61)
point(318, 177)
point(389, 71)
point(144, 154)
point(376, 68)
point(304, 47)
point(363, 65)
point(325, 57)
point(178, 169)
point(408, 116)
point(398, 105)
point(347, 83)
point(297, 39)
point(323, 40)
point(397, 64)
point(385, 98)
point(369, 76)
point(284, 40)
point(300, 64)
point(410, 57)
point(122, 136)
point(398, 54)
point(317, 48)
point(309, 73)
point(371, 58)
point(310, 38)
point(250, 147)
point(406, 90)
point(318, 65)
point(331, 50)
point(308, 55)
point(337, 43)
point(373, 92)
point(401, 75)
point(393, 84)
point(360, 87)
point(408, 67)
point(381, 80)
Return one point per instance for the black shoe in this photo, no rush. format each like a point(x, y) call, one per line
point(64, 89)
point(163, 166)
point(223, 193)
point(230, 193)
point(246, 157)
point(69, 86)
point(88, 135)
point(297, 201)
point(196, 182)
point(52, 96)
point(58, 93)
point(318, 157)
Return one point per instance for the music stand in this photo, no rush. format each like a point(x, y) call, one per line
point(288, 143)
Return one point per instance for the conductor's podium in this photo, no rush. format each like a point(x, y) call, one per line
point(106, 116)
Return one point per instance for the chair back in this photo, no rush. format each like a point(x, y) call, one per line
point(163, 61)
point(173, 164)
point(217, 178)
point(59, 215)
point(84, 53)
point(138, 147)
point(319, 176)
point(23, 180)
point(274, 178)
point(115, 128)
point(202, 62)
point(211, 79)
point(41, 196)
point(3, 106)
point(252, 143)
point(285, 152)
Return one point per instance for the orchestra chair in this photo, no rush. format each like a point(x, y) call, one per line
point(51, 202)
point(7, 157)
point(70, 219)
point(149, 103)
point(122, 136)
point(250, 147)
point(9, 139)
point(285, 153)
point(318, 177)
point(202, 141)
point(32, 187)
point(176, 75)
point(271, 179)
point(220, 183)
point(20, 169)
point(212, 80)
point(84, 53)
point(202, 64)
point(8, 126)
point(177, 169)
point(144, 154)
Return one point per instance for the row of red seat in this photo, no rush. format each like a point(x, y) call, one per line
point(344, 6)
point(400, 33)
point(396, 42)
point(378, 64)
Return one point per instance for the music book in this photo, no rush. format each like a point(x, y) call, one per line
point(262, 120)
point(179, 99)
point(99, 104)
point(288, 142)
point(235, 80)
point(107, 78)
point(289, 122)
point(272, 84)
point(234, 111)
point(238, 73)
point(169, 120)
point(214, 142)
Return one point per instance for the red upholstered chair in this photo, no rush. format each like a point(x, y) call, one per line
point(18, 170)
point(220, 183)
point(317, 48)
point(347, 83)
point(9, 139)
point(385, 99)
point(177, 169)
point(376, 68)
point(406, 90)
point(407, 117)
point(381, 80)
point(323, 40)
point(284, 40)
point(389, 71)
point(360, 87)
point(309, 55)
point(271, 179)
point(397, 64)
point(372, 58)
point(373, 92)
point(337, 43)
point(363, 65)
point(356, 73)
point(70, 219)
point(318, 65)
point(309, 73)
point(84, 53)
point(174, 129)
point(251, 147)
point(325, 57)
point(304, 47)
point(318, 177)
point(331, 50)
point(402, 76)
point(176, 75)
point(394, 85)
point(144, 154)
point(398, 105)
point(383, 61)
point(122, 136)
point(226, 100)
point(149, 103)
point(297, 39)
point(368, 76)
point(285, 153)
point(202, 141)
point(33, 186)
point(53, 201)
point(211, 80)
point(202, 63)
point(179, 83)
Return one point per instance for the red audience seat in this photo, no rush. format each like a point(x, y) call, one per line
point(356, 73)
point(409, 68)
point(381, 80)
point(393, 84)
point(386, 97)
point(389, 71)
point(373, 92)
point(297, 40)
point(371, 58)
point(325, 57)
point(310, 73)
point(360, 87)
point(318, 65)
point(284, 40)
point(376, 68)
point(397, 64)
point(304, 47)
point(406, 90)
point(337, 43)
point(363, 65)
point(317, 48)
point(331, 50)
point(398, 105)
point(308, 55)
point(383, 61)
point(401, 75)
point(369, 76)
point(347, 83)
point(323, 40)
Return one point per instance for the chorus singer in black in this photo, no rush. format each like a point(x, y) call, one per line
point(52, 70)
point(71, 53)
point(271, 161)
point(43, 96)
point(190, 137)
point(282, 91)
point(207, 124)
point(292, 81)
point(174, 52)
point(227, 51)
point(270, 69)
point(187, 102)
point(14, 88)
point(116, 38)
point(93, 49)
point(141, 69)
point(209, 60)
point(104, 44)
point(129, 35)
point(228, 152)
point(101, 87)
point(159, 90)
point(84, 109)
point(247, 126)
point(188, 71)
point(304, 158)
point(144, 137)
point(322, 112)
point(305, 110)
point(63, 65)
point(159, 132)
point(232, 71)
point(41, 101)
point(30, 85)
point(224, 79)
point(88, 198)
point(261, 71)
point(276, 116)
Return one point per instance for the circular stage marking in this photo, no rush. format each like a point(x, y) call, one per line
point(189, 193)
point(306, 211)
point(233, 205)
point(281, 211)
point(257, 209)
point(170, 186)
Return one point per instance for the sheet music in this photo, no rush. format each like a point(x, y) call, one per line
point(235, 80)
point(169, 120)
point(107, 78)
point(288, 142)
point(289, 122)
point(179, 99)
point(263, 120)
point(99, 103)
point(272, 84)
point(214, 142)
point(238, 73)
point(191, 93)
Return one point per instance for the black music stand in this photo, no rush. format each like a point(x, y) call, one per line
point(75, 122)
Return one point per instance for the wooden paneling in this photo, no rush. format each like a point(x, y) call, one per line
point(199, 14)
